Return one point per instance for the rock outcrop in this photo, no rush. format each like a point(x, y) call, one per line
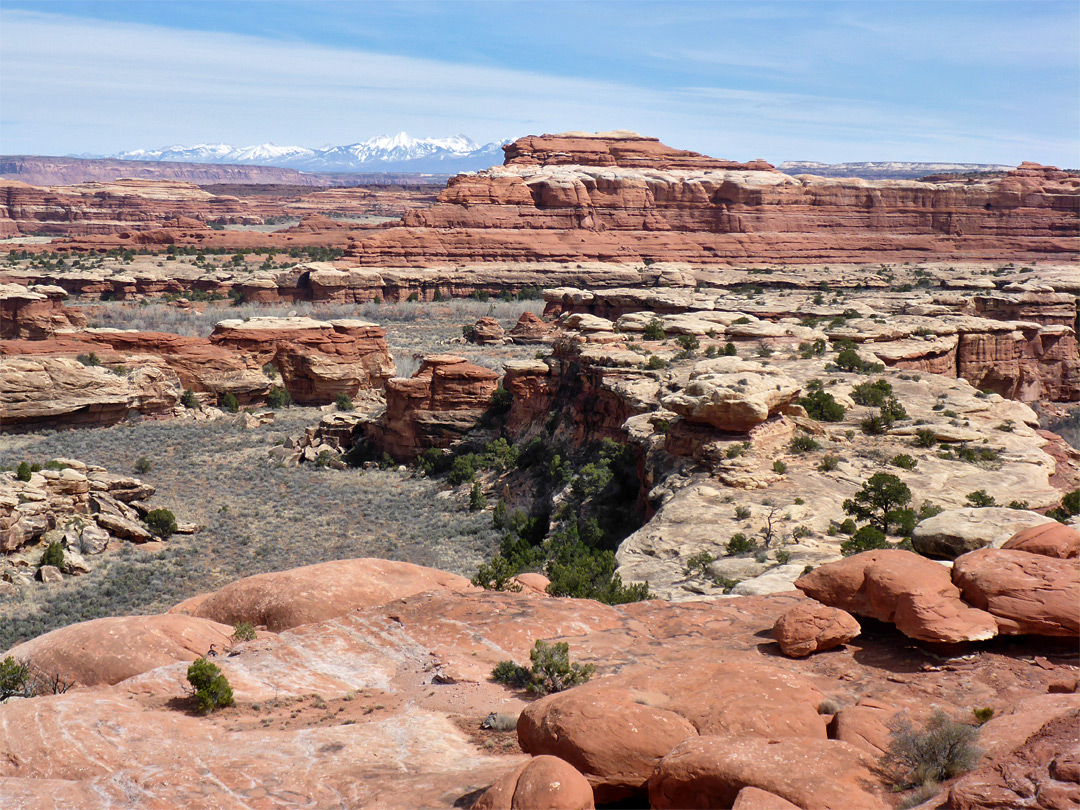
point(1049, 539)
point(958, 531)
point(733, 394)
point(618, 196)
point(915, 594)
point(433, 408)
point(811, 628)
point(1025, 593)
point(35, 312)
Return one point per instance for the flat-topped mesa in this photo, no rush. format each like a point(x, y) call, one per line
point(621, 148)
point(620, 197)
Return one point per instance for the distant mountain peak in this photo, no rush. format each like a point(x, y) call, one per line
point(400, 152)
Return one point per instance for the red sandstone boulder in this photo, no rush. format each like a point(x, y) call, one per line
point(107, 651)
point(531, 329)
point(864, 725)
point(616, 729)
point(811, 774)
point(813, 627)
point(1026, 593)
point(912, 592)
point(542, 783)
point(1050, 540)
point(486, 332)
point(752, 798)
point(315, 593)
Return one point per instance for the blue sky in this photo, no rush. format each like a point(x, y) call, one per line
point(995, 82)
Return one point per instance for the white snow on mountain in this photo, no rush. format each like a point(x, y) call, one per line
point(885, 169)
point(399, 152)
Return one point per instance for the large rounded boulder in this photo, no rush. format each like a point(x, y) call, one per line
point(107, 651)
point(1049, 539)
point(812, 627)
point(315, 593)
point(542, 783)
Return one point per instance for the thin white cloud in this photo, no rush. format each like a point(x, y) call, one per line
point(73, 85)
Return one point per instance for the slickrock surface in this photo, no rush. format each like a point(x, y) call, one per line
point(958, 531)
point(1050, 539)
point(368, 707)
point(733, 394)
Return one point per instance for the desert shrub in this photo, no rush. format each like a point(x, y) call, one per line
point(551, 670)
point(1021, 505)
point(699, 563)
point(14, 678)
point(866, 538)
point(903, 521)
point(689, 344)
point(476, 498)
point(654, 363)
point(742, 512)
point(730, 350)
point(23, 472)
point(872, 394)
point(89, 359)
point(924, 437)
point(822, 406)
point(779, 467)
point(270, 370)
point(209, 687)
point(849, 360)
point(941, 749)
point(189, 400)
point(462, 469)
point(229, 402)
point(654, 330)
point(143, 465)
point(1070, 506)
point(740, 544)
point(848, 527)
point(928, 510)
point(893, 410)
point(904, 461)
point(783, 557)
point(880, 495)
point(161, 522)
point(343, 403)
point(828, 463)
point(803, 444)
point(808, 350)
point(983, 715)
point(980, 499)
point(874, 426)
point(278, 397)
point(500, 401)
point(54, 555)
point(434, 461)
point(496, 575)
point(243, 631)
point(582, 572)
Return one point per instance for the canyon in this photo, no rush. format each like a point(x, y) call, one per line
point(670, 386)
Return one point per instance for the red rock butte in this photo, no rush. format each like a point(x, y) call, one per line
point(621, 197)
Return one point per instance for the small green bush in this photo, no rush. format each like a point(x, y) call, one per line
point(803, 444)
point(655, 363)
point(244, 631)
point(872, 394)
point(23, 472)
point(742, 512)
point(551, 670)
point(689, 344)
point(924, 437)
point(740, 544)
point(461, 470)
point(343, 403)
point(654, 330)
point(209, 687)
point(189, 400)
point(828, 463)
point(730, 350)
point(779, 467)
point(54, 555)
point(822, 406)
point(89, 359)
point(980, 499)
point(14, 678)
point(143, 465)
point(941, 749)
point(501, 400)
point(161, 522)
point(497, 575)
point(476, 498)
point(1070, 506)
point(904, 461)
point(229, 402)
point(278, 397)
point(866, 538)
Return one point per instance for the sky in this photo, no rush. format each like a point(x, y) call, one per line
point(982, 81)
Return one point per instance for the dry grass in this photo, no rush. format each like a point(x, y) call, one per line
point(256, 518)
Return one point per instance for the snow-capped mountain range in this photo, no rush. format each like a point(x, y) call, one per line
point(385, 153)
point(885, 169)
